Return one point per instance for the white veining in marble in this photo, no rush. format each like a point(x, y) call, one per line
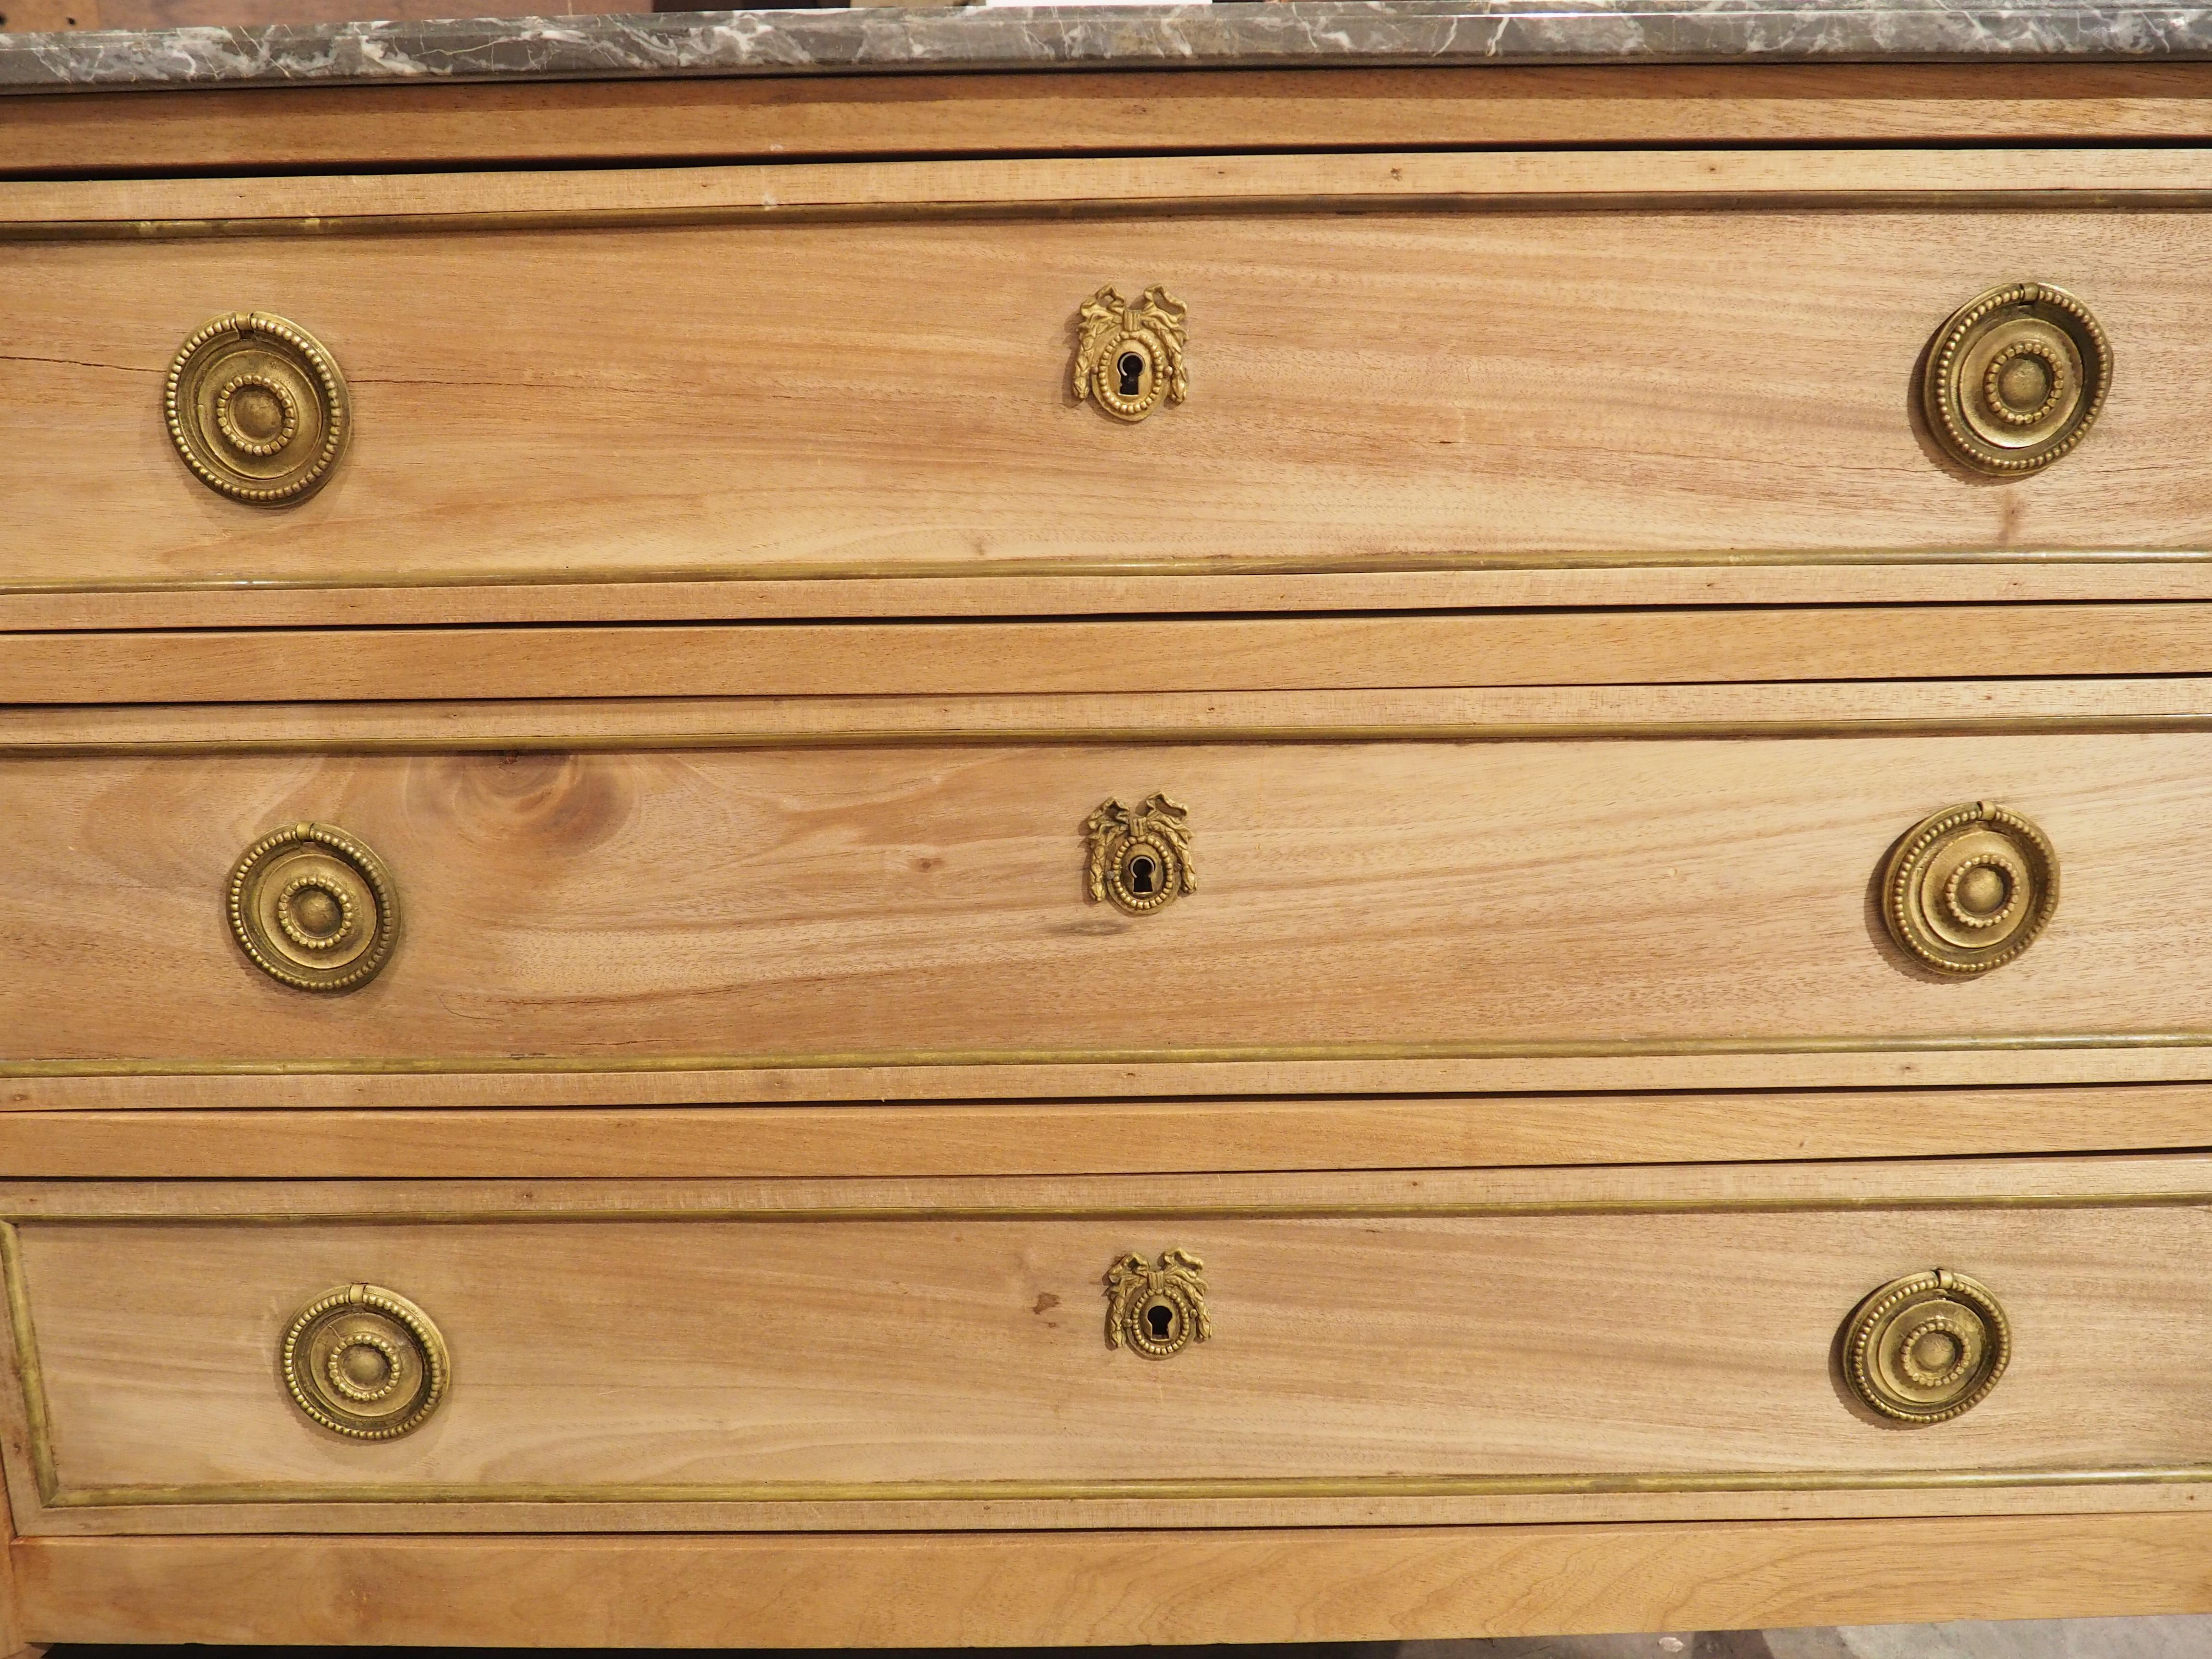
point(1276, 33)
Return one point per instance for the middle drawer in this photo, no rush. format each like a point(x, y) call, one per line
point(917, 905)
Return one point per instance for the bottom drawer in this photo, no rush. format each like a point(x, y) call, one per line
point(1323, 1350)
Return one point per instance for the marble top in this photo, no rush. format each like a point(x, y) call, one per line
point(1276, 33)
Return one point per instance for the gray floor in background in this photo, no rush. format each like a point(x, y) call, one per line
point(2074, 1639)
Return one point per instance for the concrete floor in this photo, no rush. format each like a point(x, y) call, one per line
point(2074, 1639)
point(2078, 1638)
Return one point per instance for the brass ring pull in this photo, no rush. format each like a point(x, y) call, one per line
point(1926, 1347)
point(257, 408)
point(1128, 357)
point(366, 1363)
point(1160, 1310)
point(1139, 859)
point(1970, 889)
point(2015, 379)
point(314, 909)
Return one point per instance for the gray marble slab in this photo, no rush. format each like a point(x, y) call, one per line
point(1276, 33)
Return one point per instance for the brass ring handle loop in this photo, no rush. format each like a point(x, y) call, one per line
point(314, 909)
point(1158, 1310)
point(2015, 379)
point(1969, 888)
point(366, 1363)
point(257, 408)
point(1926, 1347)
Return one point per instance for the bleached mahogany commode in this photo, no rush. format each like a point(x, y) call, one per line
point(1262, 823)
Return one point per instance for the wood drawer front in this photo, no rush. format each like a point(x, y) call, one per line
point(916, 906)
point(1441, 380)
point(1576, 1346)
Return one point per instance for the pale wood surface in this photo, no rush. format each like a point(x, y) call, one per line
point(567, 725)
point(1552, 581)
point(340, 1085)
point(894, 905)
point(1122, 110)
point(1074, 1136)
point(779, 1353)
point(1124, 186)
point(795, 435)
point(921, 658)
point(1114, 1587)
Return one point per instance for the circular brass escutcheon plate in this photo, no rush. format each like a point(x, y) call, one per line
point(257, 408)
point(366, 1363)
point(2015, 378)
point(314, 909)
point(1970, 888)
point(1924, 1348)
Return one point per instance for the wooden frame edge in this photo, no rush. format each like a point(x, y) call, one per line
point(1110, 1587)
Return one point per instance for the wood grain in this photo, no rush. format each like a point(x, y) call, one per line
point(837, 908)
point(1370, 1583)
point(1079, 1137)
point(1122, 112)
point(935, 659)
point(1833, 709)
point(1123, 187)
point(756, 1353)
point(1640, 366)
point(1553, 581)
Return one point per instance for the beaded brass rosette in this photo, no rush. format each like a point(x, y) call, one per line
point(1926, 1347)
point(257, 408)
point(2015, 379)
point(314, 909)
point(366, 1363)
point(1970, 888)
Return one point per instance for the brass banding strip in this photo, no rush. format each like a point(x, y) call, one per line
point(1591, 1048)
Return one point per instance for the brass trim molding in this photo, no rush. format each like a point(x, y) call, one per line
point(1175, 734)
point(1218, 1489)
point(1350, 1209)
point(1842, 199)
point(1590, 1048)
point(1196, 565)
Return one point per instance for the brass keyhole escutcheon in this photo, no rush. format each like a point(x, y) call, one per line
point(1141, 857)
point(314, 909)
point(366, 1363)
point(1926, 1347)
point(1156, 1311)
point(1969, 888)
point(257, 408)
point(2015, 379)
point(1130, 356)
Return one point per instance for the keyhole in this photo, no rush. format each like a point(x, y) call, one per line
point(1133, 374)
point(1140, 878)
point(1161, 1318)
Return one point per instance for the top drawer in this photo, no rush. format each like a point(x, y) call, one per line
point(870, 370)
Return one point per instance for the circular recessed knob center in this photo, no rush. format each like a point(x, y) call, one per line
point(1983, 890)
point(2024, 383)
point(257, 415)
point(364, 1368)
point(317, 912)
